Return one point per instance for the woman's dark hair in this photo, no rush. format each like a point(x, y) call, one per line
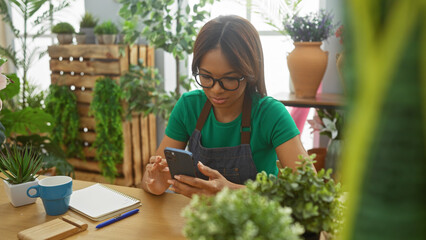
point(239, 42)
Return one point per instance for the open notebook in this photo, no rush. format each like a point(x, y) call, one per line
point(99, 202)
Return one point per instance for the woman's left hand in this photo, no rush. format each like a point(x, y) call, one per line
point(188, 186)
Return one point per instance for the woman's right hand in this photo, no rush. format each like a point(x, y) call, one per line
point(156, 175)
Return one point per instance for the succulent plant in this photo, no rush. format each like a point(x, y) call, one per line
point(19, 164)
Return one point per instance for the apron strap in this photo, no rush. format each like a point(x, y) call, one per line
point(203, 115)
point(245, 122)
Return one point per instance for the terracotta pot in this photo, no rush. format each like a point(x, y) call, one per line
point(320, 158)
point(307, 64)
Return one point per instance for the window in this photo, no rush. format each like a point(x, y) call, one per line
point(39, 73)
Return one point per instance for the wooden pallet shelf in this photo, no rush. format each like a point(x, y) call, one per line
point(80, 66)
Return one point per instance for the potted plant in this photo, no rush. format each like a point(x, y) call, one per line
point(87, 24)
point(80, 37)
point(307, 62)
point(313, 197)
point(330, 122)
point(238, 214)
point(107, 31)
point(65, 32)
point(20, 165)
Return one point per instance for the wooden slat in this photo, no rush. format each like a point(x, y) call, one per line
point(87, 122)
point(142, 54)
point(152, 121)
point(85, 51)
point(127, 153)
point(124, 64)
point(92, 166)
point(84, 96)
point(88, 136)
point(83, 109)
point(89, 152)
point(87, 81)
point(145, 140)
point(95, 177)
point(84, 165)
point(136, 145)
point(87, 67)
point(150, 56)
point(134, 55)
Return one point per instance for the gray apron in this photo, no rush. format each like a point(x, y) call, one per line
point(234, 163)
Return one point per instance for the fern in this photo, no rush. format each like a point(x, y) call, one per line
point(61, 103)
point(107, 110)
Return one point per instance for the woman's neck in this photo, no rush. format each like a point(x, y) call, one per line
point(225, 115)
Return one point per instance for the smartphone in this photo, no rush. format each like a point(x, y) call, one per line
point(180, 162)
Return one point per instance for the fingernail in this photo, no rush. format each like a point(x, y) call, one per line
point(201, 163)
point(170, 182)
point(177, 177)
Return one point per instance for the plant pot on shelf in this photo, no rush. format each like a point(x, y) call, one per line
point(109, 38)
point(99, 39)
point(17, 193)
point(65, 38)
point(90, 35)
point(80, 38)
point(307, 64)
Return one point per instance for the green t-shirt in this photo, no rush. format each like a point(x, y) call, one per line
point(271, 125)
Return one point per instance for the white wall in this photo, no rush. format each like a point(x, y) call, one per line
point(331, 81)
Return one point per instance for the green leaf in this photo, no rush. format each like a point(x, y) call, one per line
point(12, 89)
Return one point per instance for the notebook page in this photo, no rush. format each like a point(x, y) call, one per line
point(98, 200)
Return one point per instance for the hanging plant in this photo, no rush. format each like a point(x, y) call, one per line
point(107, 110)
point(61, 103)
point(141, 91)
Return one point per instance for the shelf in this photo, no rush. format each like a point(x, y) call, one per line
point(322, 100)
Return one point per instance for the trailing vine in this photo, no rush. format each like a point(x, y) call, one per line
point(107, 111)
point(61, 103)
point(141, 92)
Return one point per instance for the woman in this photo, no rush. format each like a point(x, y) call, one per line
point(233, 130)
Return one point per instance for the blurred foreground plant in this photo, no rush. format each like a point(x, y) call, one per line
point(238, 214)
point(313, 197)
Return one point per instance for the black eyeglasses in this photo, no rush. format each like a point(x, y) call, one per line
point(227, 83)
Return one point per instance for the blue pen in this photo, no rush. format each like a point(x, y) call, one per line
point(113, 220)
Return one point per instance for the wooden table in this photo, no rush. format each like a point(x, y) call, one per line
point(159, 217)
point(322, 100)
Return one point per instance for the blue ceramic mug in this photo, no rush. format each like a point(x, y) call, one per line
point(55, 192)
